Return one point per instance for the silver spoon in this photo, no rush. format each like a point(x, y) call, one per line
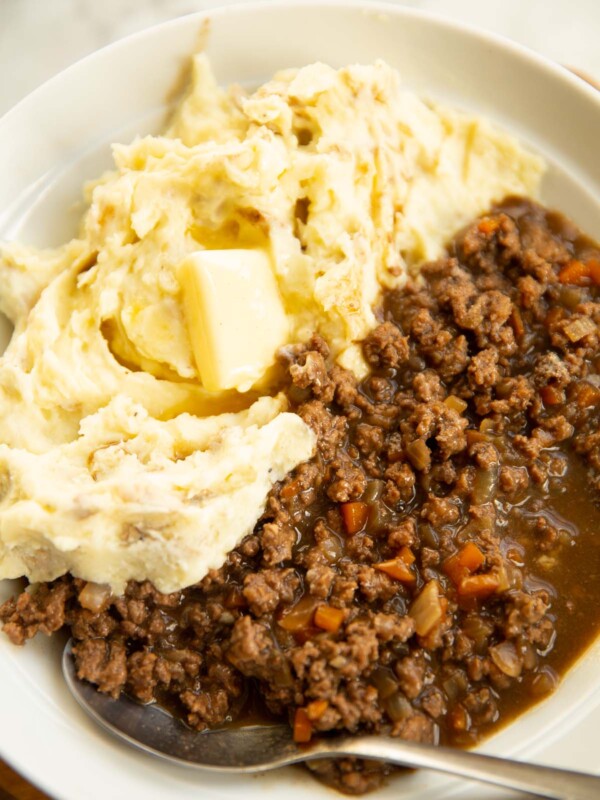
point(258, 748)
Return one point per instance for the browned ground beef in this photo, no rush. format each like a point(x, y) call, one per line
point(478, 424)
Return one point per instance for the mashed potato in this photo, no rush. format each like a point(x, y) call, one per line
point(117, 462)
point(133, 497)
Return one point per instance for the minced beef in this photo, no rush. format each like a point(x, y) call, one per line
point(420, 576)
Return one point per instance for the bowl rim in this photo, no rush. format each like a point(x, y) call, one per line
point(527, 54)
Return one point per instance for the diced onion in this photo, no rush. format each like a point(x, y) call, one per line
point(485, 485)
point(398, 707)
point(506, 658)
point(419, 454)
point(95, 597)
point(455, 403)
point(427, 610)
point(383, 681)
point(580, 327)
point(544, 682)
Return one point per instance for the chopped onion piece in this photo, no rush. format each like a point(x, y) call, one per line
point(485, 485)
point(506, 658)
point(427, 610)
point(398, 707)
point(580, 327)
point(383, 681)
point(95, 597)
point(455, 403)
point(419, 454)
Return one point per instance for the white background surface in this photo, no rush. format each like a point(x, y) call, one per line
point(40, 37)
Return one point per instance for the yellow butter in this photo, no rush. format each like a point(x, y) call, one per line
point(235, 316)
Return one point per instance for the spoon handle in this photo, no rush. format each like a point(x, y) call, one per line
point(559, 784)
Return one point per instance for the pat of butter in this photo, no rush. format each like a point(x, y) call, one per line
point(234, 314)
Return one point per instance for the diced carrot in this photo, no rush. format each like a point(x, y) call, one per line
point(594, 267)
point(398, 569)
point(299, 616)
point(355, 516)
point(575, 272)
point(407, 555)
point(478, 586)
point(551, 395)
point(454, 569)
point(471, 556)
point(516, 321)
point(316, 709)
point(329, 618)
point(302, 726)
point(291, 489)
point(488, 225)
point(468, 559)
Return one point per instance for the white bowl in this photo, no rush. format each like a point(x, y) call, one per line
point(58, 137)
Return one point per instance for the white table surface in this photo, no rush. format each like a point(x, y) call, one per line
point(40, 37)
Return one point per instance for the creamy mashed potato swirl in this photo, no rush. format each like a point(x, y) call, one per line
point(117, 463)
point(136, 498)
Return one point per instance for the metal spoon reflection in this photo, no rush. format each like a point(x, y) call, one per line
point(258, 748)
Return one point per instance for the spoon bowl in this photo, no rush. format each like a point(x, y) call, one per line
point(258, 748)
